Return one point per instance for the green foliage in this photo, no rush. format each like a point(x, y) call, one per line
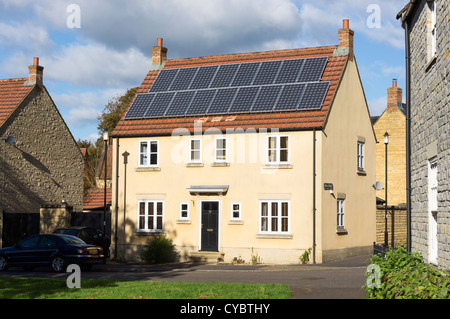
point(304, 258)
point(158, 250)
point(405, 275)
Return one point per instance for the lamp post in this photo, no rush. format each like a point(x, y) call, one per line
point(105, 139)
point(386, 142)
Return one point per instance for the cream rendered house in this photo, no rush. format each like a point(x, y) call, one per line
point(261, 155)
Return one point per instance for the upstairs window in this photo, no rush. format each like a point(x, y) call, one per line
point(148, 153)
point(221, 150)
point(278, 149)
point(195, 150)
point(360, 154)
point(431, 31)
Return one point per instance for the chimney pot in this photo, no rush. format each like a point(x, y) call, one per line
point(346, 24)
point(36, 61)
point(394, 83)
point(159, 42)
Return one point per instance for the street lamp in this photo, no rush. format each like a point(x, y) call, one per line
point(386, 142)
point(105, 139)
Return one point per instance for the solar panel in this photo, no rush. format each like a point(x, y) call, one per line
point(244, 99)
point(234, 88)
point(267, 98)
point(290, 71)
point(201, 102)
point(164, 80)
point(180, 103)
point(222, 101)
point(224, 75)
point(183, 79)
point(314, 95)
point(267, 73)
point(204, 77)
point(312, 70)
point(245, 74)
point(139, 106)
point(290, 97)
point(159, 104)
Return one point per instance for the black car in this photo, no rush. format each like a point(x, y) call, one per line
point(89, 235)
point(57, 251)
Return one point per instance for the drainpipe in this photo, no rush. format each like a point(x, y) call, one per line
point(314, 196)
point(117, 197)
point(408, 138)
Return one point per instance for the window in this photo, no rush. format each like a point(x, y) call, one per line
point(151, 215)
point(340, 213)
point(235, 211)
point(431, 31)
point(184, 210)
point(432, 185)
point(148, 153)
point(221, 150)
point(195, 150)
point(278, 149)
point(274, 217)
point(360, 156)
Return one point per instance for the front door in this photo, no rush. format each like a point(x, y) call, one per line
point(210, 226)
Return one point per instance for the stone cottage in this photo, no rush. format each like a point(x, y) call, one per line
point(40, 162)
point(427, 30)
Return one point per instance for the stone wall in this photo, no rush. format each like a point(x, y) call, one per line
point(430, 125)
point(45, 166)
point(53, 217)
point(396, 225)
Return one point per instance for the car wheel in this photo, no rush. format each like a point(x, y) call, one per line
point(3, 263)
point(58, 264)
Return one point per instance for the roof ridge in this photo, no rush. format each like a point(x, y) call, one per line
point(13, 80)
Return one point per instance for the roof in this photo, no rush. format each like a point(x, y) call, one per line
point(408, 10)
point(282, 120)
point(12, 93)
point(95, 198)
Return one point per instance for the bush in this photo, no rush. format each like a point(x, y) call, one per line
point(158, 250)
point(405, 275)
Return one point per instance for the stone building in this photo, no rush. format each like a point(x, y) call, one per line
point(40, 162)
point(427, 32)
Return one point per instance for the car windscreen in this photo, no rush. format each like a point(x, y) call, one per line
point(72, 240)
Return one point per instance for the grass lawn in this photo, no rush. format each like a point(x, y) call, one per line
point(51, 288)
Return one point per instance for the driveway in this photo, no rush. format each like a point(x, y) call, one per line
point(342, 279)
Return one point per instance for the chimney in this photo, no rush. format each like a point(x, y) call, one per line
point(36, 73)
point(159, 53)
point(394, 96)
point(346, 38)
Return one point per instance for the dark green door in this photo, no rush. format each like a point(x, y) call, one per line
point(210, 226)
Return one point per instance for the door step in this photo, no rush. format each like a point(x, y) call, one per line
point(206, 256)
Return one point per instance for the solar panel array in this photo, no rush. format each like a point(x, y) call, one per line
point(234, 88)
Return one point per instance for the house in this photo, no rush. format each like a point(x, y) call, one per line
point(255, 156)
point(392, 121)
point(41, 164)
point(427, 25)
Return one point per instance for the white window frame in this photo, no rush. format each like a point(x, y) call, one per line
point(184, 210)
point(239, 210)
point(277, 149)
point(148, 214)
point(148, 153)
point(432, 185)
point(266, 222)
point(216, 149)
point(433, 29)
point(360, 155)
point(191, 160)
point(340, 213)
point(432, 210)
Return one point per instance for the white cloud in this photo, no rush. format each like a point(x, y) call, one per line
point(377, 106)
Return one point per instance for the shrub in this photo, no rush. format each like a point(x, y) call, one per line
point(405, 275)
point(158, 250)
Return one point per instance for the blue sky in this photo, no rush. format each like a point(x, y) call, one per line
point(110, 52)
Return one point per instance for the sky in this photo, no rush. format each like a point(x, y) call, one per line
point(95, 50)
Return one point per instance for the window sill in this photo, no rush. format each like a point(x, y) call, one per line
point(361, 172)
point(274, 236)
point(278, 166)
point(430, 63)
point(220, 164)
point(195, 165)
point(148, 169)
point(236, 222)
point(341, 231)
point(150, 233)
point(183, 221)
